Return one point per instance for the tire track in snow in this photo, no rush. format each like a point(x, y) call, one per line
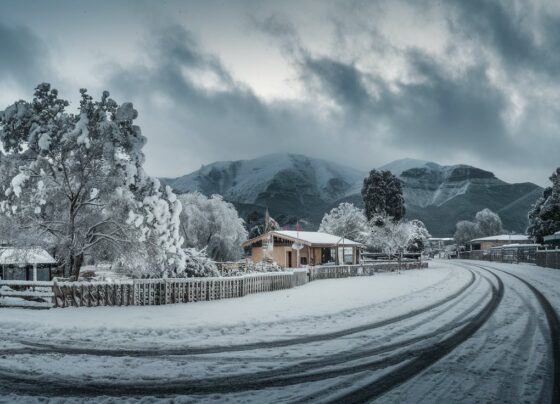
point(492, 366)
point(50, 348)
point(553, 325)
point(427, 358)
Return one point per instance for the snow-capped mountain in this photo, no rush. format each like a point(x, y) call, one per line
point(294, 187)
point(398, 166)
point(291, 185)
point(432, 184)
point(442, 195)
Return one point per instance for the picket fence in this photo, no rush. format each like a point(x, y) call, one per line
point(148, 292)
point(345, 271)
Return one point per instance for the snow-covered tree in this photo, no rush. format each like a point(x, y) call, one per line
point(419, 236)
point(345, 221)
point(395, 237)
point(486, 223)
point(392, 238)
point(466, 231)
point(75, 184)
point(489, 223)
point(544, 216)
point(213, 225)
point(382, 193)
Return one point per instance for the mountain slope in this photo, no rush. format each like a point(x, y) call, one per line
point(294, 187)
point(398, 166)
point(290, 185)
point(440, 196)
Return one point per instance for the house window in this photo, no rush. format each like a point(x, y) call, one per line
point(345, 257)
point(327, 255)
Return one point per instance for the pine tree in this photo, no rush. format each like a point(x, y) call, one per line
point(382, 194)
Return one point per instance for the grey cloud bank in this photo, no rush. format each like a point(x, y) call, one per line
point(457, 82)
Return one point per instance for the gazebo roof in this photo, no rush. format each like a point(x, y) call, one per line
point(25, 256)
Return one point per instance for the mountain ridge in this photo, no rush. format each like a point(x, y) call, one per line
point(294, 186)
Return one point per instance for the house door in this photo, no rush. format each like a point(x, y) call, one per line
point(289, 259)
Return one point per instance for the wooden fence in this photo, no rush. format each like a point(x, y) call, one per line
point(144, 292)
point(548, 258)
point(510, 254)
point(148, 292)
point(32, 294)
point(543, 258)
point(345, 271)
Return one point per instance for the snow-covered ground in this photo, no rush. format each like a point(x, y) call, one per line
point(453, 332)
point(339, 301)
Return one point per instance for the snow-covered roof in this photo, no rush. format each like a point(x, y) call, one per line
point(503, 237)
point(555, 236)
point(314, 237)
point(309, 238)
point(516, 245)
point(441, 239)
point(25, 256)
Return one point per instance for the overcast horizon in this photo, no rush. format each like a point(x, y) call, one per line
point(360, 83)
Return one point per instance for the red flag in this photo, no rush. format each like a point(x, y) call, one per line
point(298, 226)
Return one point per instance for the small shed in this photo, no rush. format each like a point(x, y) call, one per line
point(312, 248)
point(26, 264)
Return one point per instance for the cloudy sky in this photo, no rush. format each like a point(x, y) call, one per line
point(358, 82)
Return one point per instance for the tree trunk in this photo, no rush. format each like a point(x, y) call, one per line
point(75, 265)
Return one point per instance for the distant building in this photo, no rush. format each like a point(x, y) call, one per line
point(553, 239)
point(486, 243)
point(26, 264)
point(439, 243)
point(313, 248)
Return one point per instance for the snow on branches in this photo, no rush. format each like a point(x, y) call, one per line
point(75, 184)
point(345, 220)
point(212, 224)
point(381, 233)
point(544, 216)
point(486, 223)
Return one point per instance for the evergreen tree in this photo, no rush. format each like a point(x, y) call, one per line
point(544, 216)
point(382, 194)
point(258, 223)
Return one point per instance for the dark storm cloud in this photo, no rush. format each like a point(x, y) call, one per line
point(523, 37)
point(227, 119)
point(446, 112)
point(23, 57)
point(340, 81)
point(438, 112)
point(481, 89)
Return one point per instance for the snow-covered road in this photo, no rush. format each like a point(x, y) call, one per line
point(459, 331)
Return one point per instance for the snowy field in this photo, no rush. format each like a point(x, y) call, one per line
point(453, 332)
